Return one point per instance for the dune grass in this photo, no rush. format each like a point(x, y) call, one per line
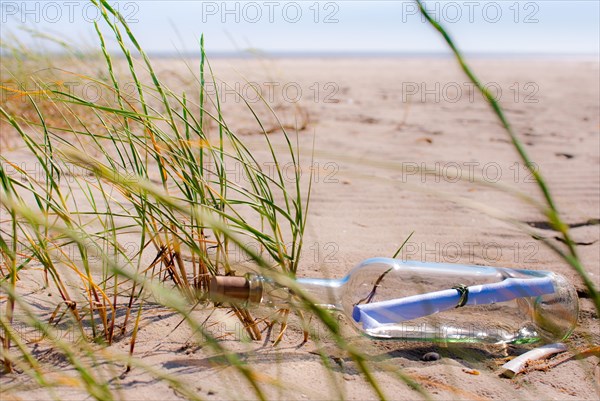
point(151, 168)
point(135, 206)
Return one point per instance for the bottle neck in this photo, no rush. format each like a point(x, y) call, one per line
point(326, 293)
point(254, 289)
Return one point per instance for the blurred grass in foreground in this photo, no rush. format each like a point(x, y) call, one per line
point(150, 168)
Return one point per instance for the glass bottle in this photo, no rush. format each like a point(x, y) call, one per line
point(393, 299)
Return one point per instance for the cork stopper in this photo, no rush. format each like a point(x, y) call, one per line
point(232, 289)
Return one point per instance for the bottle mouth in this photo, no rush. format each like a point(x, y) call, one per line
point(247, 289)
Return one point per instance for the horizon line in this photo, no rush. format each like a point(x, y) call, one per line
point(256, 53)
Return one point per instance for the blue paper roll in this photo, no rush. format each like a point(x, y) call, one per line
point(375, 314)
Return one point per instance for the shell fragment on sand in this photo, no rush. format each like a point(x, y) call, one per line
point(517, 365)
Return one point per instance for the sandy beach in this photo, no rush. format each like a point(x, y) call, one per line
point(375, 125)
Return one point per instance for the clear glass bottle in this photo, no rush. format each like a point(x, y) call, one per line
point(393, 299)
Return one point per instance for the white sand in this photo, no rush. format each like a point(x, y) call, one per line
point(364, 206)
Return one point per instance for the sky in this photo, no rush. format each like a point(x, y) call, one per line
point(486, 27)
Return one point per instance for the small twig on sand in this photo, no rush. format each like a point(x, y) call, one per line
point(594, 351)
point(524, 363)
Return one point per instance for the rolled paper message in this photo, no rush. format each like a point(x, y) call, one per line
point(375, 314)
